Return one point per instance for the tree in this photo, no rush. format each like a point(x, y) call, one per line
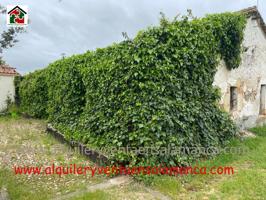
point(8, 37)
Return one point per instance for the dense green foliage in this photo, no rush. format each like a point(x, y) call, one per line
point(65, 90)
point(153, 91)
point(33, 94)
point(229, 30)
point(17, 81)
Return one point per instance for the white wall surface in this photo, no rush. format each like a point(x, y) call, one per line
point(7, 88)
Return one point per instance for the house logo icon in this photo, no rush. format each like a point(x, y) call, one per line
point(17, 15)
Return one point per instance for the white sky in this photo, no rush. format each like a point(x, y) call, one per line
point(75, 26)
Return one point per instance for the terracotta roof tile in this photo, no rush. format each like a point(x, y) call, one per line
point(6, 70)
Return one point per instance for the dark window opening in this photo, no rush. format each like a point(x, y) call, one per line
point(233, 98)
point(263, 100)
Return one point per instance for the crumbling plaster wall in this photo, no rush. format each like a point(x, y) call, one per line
point(248, 78)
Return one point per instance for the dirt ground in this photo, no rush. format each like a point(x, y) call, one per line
point(24, 142)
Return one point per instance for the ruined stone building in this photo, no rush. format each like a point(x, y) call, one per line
point(243, 89)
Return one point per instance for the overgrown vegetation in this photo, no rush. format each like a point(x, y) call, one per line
point(33, 94)
point(153, 91)
point(17, 81)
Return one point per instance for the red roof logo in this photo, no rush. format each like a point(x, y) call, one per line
point(17, 15)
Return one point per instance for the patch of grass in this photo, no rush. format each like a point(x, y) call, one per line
point(167, 185)
point(247, 184)
point(17, 190)
point(248, 181)
point(97, 195)
point(13, 111)
point(260, 130)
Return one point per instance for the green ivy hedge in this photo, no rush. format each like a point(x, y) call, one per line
point(33, 94)
point(65, 90)
point(153, 91)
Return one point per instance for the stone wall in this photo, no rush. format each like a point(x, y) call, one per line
point(248, 79)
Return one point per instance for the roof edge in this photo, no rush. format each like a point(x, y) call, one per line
point(253, 11)
point(18, 8)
